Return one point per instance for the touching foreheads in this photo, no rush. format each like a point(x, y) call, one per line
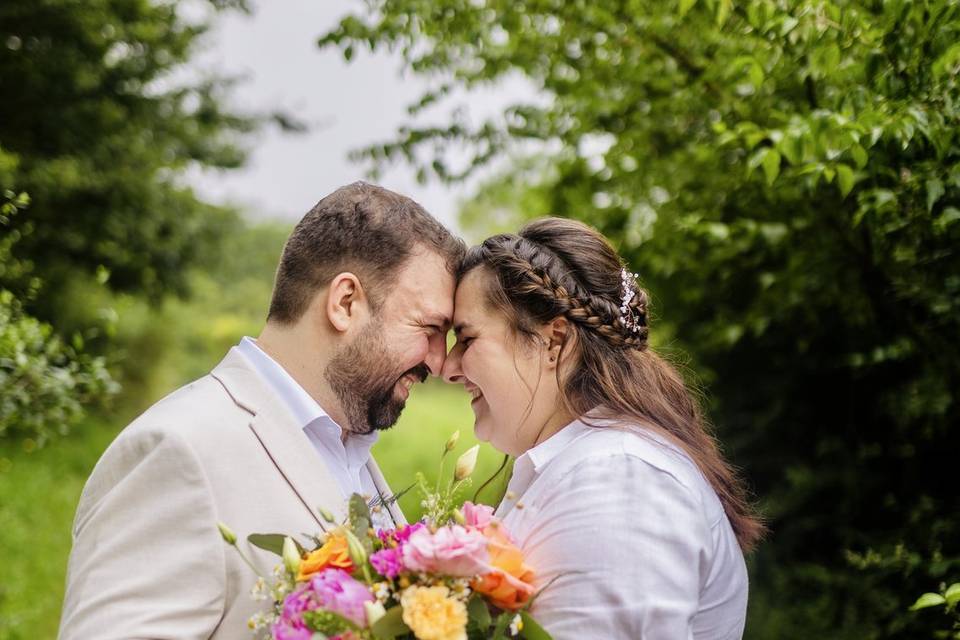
point(362, 228)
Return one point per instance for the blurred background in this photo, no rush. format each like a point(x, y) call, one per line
point(783, 175)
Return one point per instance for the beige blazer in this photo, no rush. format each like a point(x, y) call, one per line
point(147, 560)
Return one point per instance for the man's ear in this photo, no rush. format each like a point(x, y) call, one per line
point(557, 336)
point(346, 302)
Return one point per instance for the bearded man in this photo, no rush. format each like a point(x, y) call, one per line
point(282, 427)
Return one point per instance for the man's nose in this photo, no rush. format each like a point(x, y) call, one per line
point(451, 367)
point(436, 354)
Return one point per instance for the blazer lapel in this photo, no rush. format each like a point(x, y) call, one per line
point(282, 438)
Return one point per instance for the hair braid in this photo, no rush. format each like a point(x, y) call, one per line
point(531, 264)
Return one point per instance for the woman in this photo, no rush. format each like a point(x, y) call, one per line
point(619, 498)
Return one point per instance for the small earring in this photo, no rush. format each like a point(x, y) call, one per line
point(552, 358)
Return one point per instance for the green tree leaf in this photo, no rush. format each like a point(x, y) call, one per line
point(928, 600)
point(952, 594)
point(685, 6)
point(845, 179)
point(771, 165)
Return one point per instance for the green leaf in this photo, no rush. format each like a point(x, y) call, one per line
point(503, 621)
point(360, 520)
point(756, 74)
point(952, 594)
point(928, 600)
point(859, 155)
point(934, 192)
point(723, 11)
point(478, 614)
point(791, 148)
point(390, 625)
point(845, 179)
point(685, 6)
point(771, 165)
point(532, 629)
point(272, 542)
point(948, 63)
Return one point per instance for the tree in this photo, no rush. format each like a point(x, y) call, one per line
point(785, 175)
point(104, 129)
point(45, 381)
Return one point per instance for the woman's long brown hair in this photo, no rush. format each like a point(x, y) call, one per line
point(557, 267)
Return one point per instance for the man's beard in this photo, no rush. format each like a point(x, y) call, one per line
point(364, 375)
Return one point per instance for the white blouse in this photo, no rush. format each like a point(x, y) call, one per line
point(633, 537)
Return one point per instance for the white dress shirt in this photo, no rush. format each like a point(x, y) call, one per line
point(345, 458)
point(637, 536)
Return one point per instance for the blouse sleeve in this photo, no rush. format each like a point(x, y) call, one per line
point(625, 545)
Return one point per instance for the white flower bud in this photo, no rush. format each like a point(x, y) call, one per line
point(291, 555)
point(466, 463)
point(228, 535)
point(451, 441)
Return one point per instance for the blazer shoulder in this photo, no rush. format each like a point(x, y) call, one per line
point(197, 411)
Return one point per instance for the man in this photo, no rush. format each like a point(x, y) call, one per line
point(283, 426)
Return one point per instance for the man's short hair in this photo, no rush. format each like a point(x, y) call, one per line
point(361, 228)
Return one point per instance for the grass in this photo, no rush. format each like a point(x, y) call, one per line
point(39, 491)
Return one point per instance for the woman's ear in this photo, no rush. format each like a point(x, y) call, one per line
point(557, 335)
point(346, 302)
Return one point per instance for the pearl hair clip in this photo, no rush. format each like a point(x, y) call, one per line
point(628, 315)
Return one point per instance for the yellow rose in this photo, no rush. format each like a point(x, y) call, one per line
point(432, 614)
point(334, 553)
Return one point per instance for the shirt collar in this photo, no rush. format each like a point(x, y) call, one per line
point(304, 408)
point(308, 413)
point(541, 455)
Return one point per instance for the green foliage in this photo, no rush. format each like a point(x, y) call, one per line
point(948, 598)
point(45, 382)
point(786, 178)
point(96, 107)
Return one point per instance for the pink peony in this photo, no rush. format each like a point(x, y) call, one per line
point(477, 516)
point(332, 590)
point(451, 551)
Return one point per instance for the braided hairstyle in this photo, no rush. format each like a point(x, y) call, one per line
point(555, 267)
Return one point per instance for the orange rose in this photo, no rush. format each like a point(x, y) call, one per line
point(510, 586)
point(333, 553)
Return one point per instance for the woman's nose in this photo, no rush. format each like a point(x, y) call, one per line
point(451, 371)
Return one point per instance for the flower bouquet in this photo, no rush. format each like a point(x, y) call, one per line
point(455, 575)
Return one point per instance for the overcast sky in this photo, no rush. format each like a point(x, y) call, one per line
point(346, 106)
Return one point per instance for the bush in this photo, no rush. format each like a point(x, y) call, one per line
point(45, 382)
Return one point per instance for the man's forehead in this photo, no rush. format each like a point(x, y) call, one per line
point(429, 286)
point(436, 306)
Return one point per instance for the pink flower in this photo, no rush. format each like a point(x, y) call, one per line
point(331, 590)
point(400, 535)
point(388, 562)
point(477, 516)
point(451, 551)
